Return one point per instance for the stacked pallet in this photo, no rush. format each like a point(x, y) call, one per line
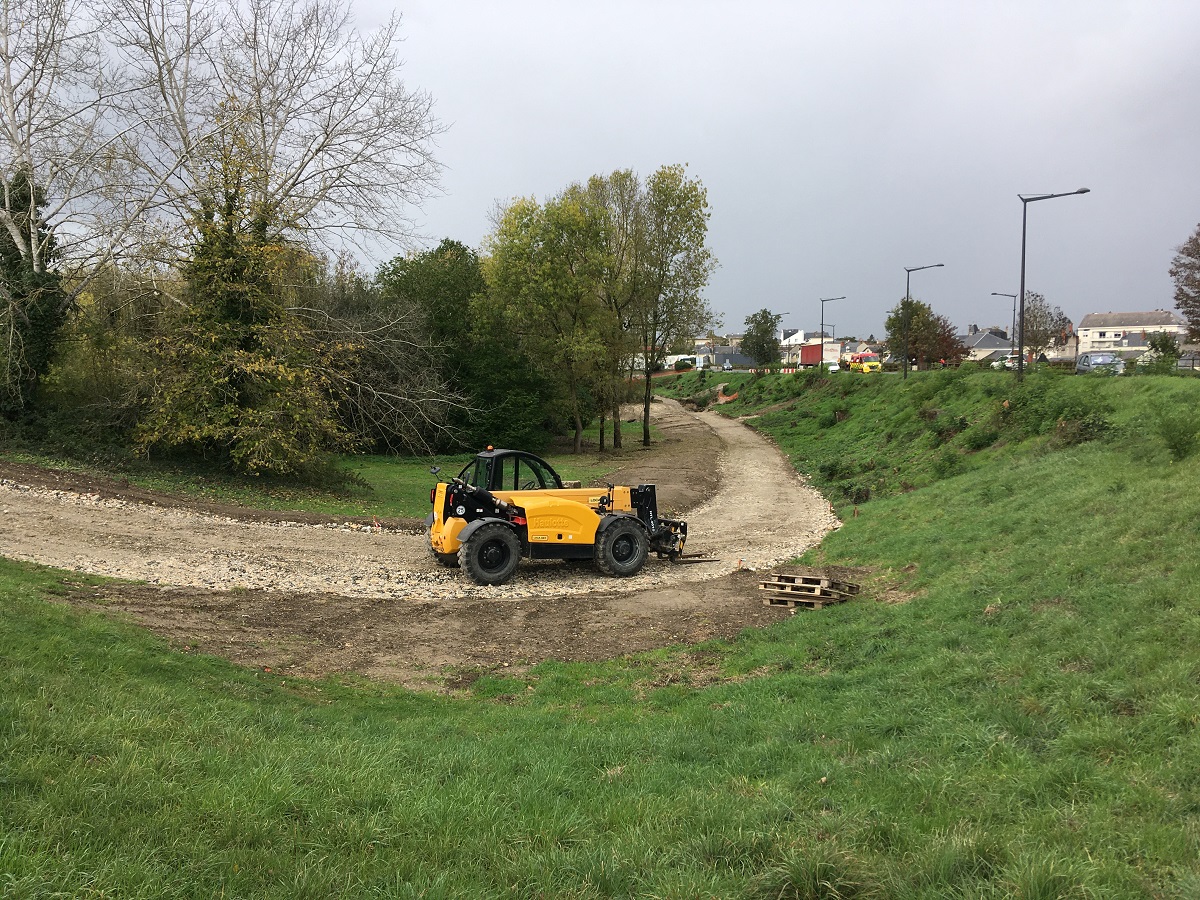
point(807, 591)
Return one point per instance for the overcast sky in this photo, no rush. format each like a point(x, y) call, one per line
point(841, 141)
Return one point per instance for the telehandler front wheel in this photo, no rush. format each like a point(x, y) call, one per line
point(491, 554)
point(622, 548)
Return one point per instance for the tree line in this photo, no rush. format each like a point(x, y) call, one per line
point(915, 332)
point(186, 188)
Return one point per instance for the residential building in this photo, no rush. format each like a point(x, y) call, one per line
point(790, 343)
point(986, 345)
point(1127, 331)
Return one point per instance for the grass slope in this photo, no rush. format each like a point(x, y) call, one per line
point(1026, 725)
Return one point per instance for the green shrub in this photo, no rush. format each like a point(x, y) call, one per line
point(948, 427)
point(1178, 425)
point(979, 438)
point(948, 462)
point(1089, 427)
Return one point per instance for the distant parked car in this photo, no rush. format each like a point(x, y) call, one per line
point(728, 367)
point(1009, 361)
point(1099, 362)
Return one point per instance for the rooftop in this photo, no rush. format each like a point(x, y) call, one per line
point(1157, 317)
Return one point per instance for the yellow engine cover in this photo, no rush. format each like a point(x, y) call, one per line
point(566, 516)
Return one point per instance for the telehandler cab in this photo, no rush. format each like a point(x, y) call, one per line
point(508, 504)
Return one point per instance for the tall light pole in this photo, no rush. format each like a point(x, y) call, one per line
point(908, 270)
point(1026, 199)
point(825, 300)
point(1012, 335)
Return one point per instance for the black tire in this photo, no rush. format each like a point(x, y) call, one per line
point(449, 560)
point(622, 549)
point(491, 554)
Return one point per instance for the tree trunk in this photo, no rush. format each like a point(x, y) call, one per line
point(602, 417)
point(646, 411)
point(616, 425)
point(578, 433)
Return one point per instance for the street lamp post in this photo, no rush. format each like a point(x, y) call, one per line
point(1026, 199)
point(825, 300)
point(908, 270)
point(1012, 335)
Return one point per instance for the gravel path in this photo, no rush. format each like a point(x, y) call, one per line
point(761, 514)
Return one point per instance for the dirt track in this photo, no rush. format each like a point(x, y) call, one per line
point(317, 597)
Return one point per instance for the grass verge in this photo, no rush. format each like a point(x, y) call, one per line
point(1026, 725)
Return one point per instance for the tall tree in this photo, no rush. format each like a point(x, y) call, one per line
point(1185, 270)
point(33, 305)
point(619, 285)
point(114, 113)
point(1045, 325)
point(240, 377)
point(675, 266)
point(503, 393)
point(341, 145)
point(545, 264)
point(761, 340)
point(264, 369)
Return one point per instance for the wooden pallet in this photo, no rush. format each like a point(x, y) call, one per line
point(807, 591)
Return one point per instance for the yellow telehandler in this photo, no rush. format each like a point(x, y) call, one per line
point(509, 504)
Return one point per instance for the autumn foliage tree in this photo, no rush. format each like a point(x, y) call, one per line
point(1185, 270)
point(600, 277)
point(916, 332)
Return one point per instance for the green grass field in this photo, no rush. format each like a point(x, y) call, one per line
point(1026, 725)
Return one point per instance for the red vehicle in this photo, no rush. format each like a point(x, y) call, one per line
point(810, 354)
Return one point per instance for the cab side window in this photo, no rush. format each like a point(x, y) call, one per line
point(508, 474)
point(475, 473)
point(535, 476)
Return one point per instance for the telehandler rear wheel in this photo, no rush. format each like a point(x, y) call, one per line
point(491, 554)
point(622, 549)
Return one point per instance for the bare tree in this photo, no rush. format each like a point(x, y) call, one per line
point(121, 125)
point(336, 146)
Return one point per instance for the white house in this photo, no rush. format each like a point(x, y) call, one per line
point(986, 345)
point(790, 343)
point(1125, 330)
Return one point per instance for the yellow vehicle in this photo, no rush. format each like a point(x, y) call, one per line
point(509, 504)
point(865, 362)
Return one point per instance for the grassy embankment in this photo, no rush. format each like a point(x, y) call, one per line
point(1028, 724)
